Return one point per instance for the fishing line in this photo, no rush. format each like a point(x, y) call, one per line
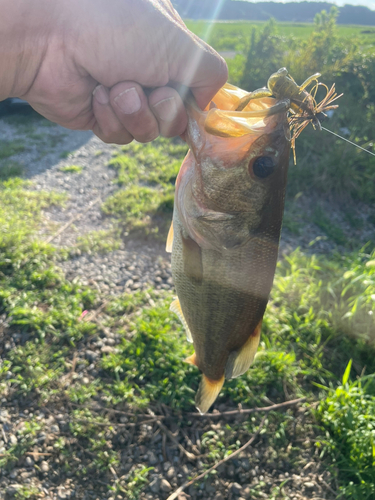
point(347, 140)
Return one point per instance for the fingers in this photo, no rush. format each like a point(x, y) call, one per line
point(131, 107)
point(124, 112)
point(107, 127)
point(169, 110)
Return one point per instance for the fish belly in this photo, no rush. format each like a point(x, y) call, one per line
point(224, 301)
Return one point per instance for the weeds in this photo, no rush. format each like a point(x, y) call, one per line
point(11, 169)
point(73, 169)
point(348, 417)
point(10, 148)
point(147, 173)
point(103, 241)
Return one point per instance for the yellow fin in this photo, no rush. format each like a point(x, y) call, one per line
point(176, 308)
point(239, 361)
point(192, 360)
point(169, 245)
point(208, 391)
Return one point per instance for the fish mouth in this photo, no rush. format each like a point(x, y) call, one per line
point(259, 116)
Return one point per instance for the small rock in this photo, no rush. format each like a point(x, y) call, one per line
point(309, 484)
point(44, 467)
point(12, 439)
point(219, 496)
point(13, 474)
point(55, 428)
point(183, 496)
point(29, 462)
point(91, 355)
point(108, 349)
point(12, 489)
point(165, 486)
point(152, 458)
point(236, 489)
point(155, 485)
point(230, 470)
point(171, 473)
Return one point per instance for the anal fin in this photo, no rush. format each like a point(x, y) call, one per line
point(239, 361)
point(176, 308)
point(208, 391)
point(169, 244)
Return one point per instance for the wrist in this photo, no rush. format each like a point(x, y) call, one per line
point(23, 40)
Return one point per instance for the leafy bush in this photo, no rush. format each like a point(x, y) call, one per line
point(348, 417)
point(324, 163)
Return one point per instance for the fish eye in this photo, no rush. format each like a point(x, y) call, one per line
point(263, 166)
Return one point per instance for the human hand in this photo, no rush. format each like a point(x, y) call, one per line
point(115, 49)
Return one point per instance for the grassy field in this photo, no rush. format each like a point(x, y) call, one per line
point(232, 35)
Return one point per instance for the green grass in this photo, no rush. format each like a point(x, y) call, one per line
point(10, 148)
point(11, 169)
point(147, 174)
point(232, 35)
point(322, 220)
point(102, 241)
point(320, 316)
point(72, 169)
point(347, 415)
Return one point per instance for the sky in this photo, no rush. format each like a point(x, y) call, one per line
point(366, 3)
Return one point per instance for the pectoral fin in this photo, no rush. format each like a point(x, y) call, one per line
point(208, 391)
point(169, 245)
point(192, 360)
point(240, 361)
point(176, 308)
point(192, 258)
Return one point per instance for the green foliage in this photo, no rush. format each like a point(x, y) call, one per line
point(136, 482)
point(348, 417)
point(11, 169)
point(10, 148)
point(321, 219)
point(26, 440)
point(148, 173)
point(73, 169)
point(149, 365)
point(102, 241)
point(95, 431)
point(263, 56)
point(324, 163)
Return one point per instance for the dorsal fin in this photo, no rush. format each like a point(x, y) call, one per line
point(239, 361)
point(176, 308)
point(169, 245)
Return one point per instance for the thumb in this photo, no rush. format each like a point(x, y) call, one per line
point(199, 67)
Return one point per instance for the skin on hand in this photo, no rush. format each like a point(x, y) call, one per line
point(112, 67)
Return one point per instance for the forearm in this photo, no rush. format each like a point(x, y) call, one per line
point(24, 32)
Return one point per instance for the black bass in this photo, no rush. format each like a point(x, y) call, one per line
point(226, 227)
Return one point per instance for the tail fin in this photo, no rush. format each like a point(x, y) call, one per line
point(208, 391)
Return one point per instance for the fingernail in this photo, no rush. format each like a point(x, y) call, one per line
point(166, 109)
point(101, 94)
point(128, 101)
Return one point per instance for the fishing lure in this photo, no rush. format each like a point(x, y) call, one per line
point(303, 106)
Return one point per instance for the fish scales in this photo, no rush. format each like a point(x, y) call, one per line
point(226, 228)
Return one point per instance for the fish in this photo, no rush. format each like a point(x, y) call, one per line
point(224, 237)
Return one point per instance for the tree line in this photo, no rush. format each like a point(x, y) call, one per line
point(261, 11)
